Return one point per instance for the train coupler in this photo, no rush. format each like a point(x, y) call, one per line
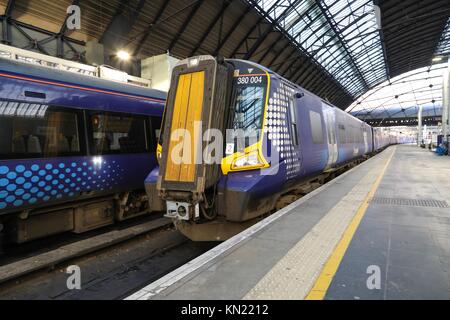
point(182, 211)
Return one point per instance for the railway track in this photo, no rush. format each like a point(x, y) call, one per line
point(110, 270)
point(137, 255)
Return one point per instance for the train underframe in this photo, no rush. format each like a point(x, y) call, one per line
point(75, 216)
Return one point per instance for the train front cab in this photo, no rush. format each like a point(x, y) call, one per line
point(283, 122)
point(251, 170)
point(191, 188)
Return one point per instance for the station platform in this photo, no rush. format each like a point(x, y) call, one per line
point(379, 231)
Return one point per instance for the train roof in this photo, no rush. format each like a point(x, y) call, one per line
point(41, 72)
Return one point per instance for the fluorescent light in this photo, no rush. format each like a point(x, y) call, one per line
point(123, 55)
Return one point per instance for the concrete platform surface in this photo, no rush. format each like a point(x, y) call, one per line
point(379, 231)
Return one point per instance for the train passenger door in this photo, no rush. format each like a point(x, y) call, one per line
point(187, 111)
point(366, 141)
point(330, 125)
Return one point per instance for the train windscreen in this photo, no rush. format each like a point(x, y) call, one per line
point(249, 105)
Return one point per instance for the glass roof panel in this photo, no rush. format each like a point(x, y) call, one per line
point(444, 43)
point(342, 36)
point(403, 95)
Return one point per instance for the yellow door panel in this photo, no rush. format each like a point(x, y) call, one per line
point(187, 111)
point(194, 114)
point(172, 168)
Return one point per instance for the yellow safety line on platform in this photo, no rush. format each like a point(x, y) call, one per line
point(323, 282)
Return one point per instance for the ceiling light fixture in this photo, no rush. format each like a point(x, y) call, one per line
point(123, 55)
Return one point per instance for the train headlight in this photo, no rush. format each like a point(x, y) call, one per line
point(159, 151)
point(193, 62)
point(247, 161)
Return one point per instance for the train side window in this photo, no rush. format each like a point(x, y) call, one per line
point(316, 127)
point(294, 132)
point(31, 130)
point(115, 133)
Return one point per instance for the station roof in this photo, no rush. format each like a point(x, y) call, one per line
point(402, 95)
point(337, 49)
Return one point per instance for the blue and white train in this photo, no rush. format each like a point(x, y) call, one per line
point(309, 136)
point(74, 150)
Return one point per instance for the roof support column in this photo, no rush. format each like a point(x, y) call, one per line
point(6, 25)
point(419, 127)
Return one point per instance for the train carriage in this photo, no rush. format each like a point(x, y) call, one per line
point(74, 149)
point(290, 137)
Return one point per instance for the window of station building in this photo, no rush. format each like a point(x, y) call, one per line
point(316, 127)
point(31, 130)
point(293, 114)
point(114, 133)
